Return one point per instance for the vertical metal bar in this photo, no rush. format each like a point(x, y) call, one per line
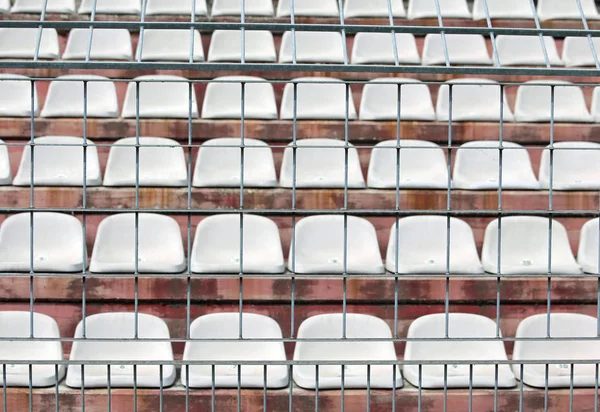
point(84, 216)
point(448, 209)
point(160, 383)
point(31, 214)
point(571, 388)
point(265, 387)
point(4, 401)
point(317, 387)
point(369, 387)
point(108, 388)
point(550, 206)
point(488, 20)
point(442, 33)
point(586, 27)
point(212, 389)
point(56, 391)
point(521, 367)
point(393, 33)
point(471, 387)
point(420, 388)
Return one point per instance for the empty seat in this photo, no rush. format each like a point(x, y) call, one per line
point(477, 167)
point(217, 245)
point(16, 95)
point(379, 48)
point(461, 49)
point(159, 244)
point(234, 8)
point(589, 244)
point(57, 243)
point(566, 9)
point(22, 43)
point(37, 6)
point(414, 154)
point(534, 102)
point(373, 8)
point(107, 44)
point(317, 98)
point(577, 51)
point(318, 246)
point(318, 8)
point(418, 9)
point(321, 163)
point(379, 100)
point(15, 324)
point(527, 51)
point(356, 376)
point(575, 327)
point(161, 96)
point(223, 98)
point(478, 101)
point(421, 245)
point(459, 326)
point(4, 6)
point(66, 97)
point(5, 171)
point(575, 166)
point(182, 7)
point(226, 46)
point(131, 333)
point(227, 326)
point(110, 6)
point(59, 162)
point(312, 47)
point(219, 164)
point(169, 45)
point(502, 9)
point(524, 247)
point(161, 162)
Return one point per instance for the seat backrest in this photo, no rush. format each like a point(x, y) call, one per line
point(317, 98)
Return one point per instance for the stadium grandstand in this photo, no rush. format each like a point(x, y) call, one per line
point(299, 205)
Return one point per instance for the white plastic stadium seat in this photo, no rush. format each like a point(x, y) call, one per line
point(572, 326)
point(216, 246)
point(227, 326)
point(59, 162)
point(15, 96)
point(16, 324)
point(111, 6)
point(234, 8)
point(358, 326)
point(460, 325)
point(319, 166)
point(121, 325)
point(4, 6)
point(162, 163)
point(107, 44)
point(502, 9)
point(312, 47)
point(5, 171)
point(66, 98)
point(533, 103)
point(226, 46)
point(478, 102)
point(414, 155)
point(223, 96)
point(379, 48)
point(317, 8)
point(161, 96)
point(576, 166)
point(379, 100)
point(317, 98)
point(477, 167)
point(527, 51)
point(373, 8)
point(524, 247)
point(462, 49)
point(22, 43)
point(589, 244)
point(182, 7)
point(169, 45)
point(566, 9)
point(319, 246)
point(418, 9)
point(57, 243)
point(159, 250)
point(578, 52)
point(37, 6)
point(221, 166)
point(423, 245)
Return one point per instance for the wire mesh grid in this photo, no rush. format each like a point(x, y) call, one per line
point(163, 285)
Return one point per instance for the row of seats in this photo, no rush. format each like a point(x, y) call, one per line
point(347, 342)
point(511, 9)
point(417, 245)
point(310, 163)
point(306, 98)
point(308, 46)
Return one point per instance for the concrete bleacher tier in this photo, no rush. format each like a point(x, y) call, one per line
point(398, 302)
